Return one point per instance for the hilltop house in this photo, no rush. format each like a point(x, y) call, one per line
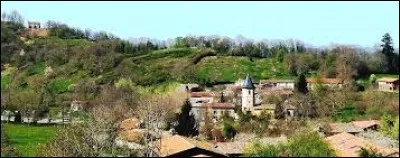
point(388, 84)
point(330, 82)
point(35, 30)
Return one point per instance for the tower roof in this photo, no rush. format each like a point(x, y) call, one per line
point(248, 83)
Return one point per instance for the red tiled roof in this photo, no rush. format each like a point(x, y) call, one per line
point(219, 105)
point(201, 94)
point(325, 80)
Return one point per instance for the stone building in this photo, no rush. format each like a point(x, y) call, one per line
point(388, 84)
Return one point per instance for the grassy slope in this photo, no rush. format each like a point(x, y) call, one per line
point(26, 138)
point(230, 69)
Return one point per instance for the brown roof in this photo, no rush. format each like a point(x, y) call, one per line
point(173, 144)
point(387, 79)
point(201, 94)
point(344, 127)
point(365, 124)
point(325, 80)
point(219, 105)
point(347, 145)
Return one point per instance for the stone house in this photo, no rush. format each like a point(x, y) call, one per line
point(197, 99)
point(215, 110)
point(388, 84)
point(330, 82)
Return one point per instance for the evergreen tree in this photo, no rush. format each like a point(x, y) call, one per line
point(302, 84)
point(388, 51)
point(186, 121)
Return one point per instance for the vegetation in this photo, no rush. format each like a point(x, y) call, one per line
point(186, 121)
point(27, 138)
point(364, 152)
point(300, 145)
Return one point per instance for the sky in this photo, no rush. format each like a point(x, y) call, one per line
point(316, 23)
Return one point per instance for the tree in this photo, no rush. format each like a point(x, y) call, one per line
point(388, 51)
point(301, 84)
point(386, 124)
point(186, 121)
point(208, 125)
point(94, 137)
point(228, 130)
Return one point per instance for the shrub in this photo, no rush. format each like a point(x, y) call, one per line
point(364, 152)
point(228, 130)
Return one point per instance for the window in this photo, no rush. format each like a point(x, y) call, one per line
point(249, 92)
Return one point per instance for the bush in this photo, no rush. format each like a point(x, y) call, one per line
point(229, 131)
point(364, 152)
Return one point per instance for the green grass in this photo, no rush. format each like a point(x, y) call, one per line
point(37, 68)
point(60, 86)
point(5, 79)
point(26, 138)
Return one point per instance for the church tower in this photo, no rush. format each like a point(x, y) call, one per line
point(247, 94)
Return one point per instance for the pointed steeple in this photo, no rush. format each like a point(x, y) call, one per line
point(248, 83)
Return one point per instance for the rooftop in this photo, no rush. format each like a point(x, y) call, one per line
point(248, 83)
point(173, 144)
point(344, 127)
point(387, 79)
point(365, 124)
point(347, 145)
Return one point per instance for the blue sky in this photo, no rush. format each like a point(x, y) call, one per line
point(316, 23)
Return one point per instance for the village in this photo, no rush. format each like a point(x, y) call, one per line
point(247, 97)
point(346, 138)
